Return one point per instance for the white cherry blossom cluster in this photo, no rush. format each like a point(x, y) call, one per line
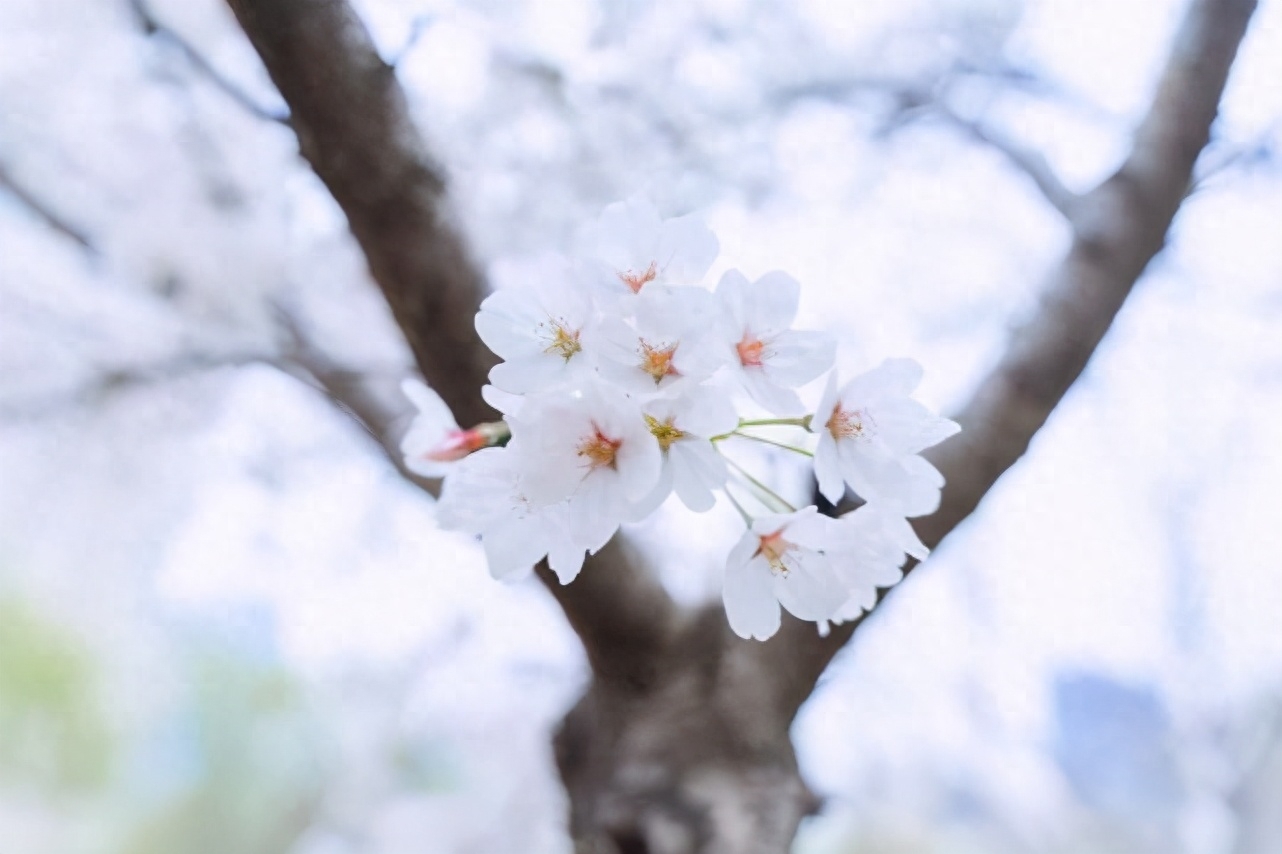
point(621, 380)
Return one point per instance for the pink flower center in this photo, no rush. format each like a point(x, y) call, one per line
point(599, 449)
point(774, 548)
point(750, 350)
point(656, 360)
point(850, 424)
point(636, 281)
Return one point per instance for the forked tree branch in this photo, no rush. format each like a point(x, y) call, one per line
point(1118, 229)
point(1032, 163)
point(681, 742)
point(354, 128)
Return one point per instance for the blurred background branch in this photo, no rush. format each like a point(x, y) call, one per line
point(1118, 228)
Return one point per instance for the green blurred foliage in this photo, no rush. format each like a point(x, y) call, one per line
point(259, 777)
point(53, 733)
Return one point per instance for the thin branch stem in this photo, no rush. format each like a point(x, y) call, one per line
point(802, 421)
point(743, 514)
point(740, 434)
point(153, 26)
point(1032, 163)
point(761, 488)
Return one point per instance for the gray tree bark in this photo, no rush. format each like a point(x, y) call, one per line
point(681, 744)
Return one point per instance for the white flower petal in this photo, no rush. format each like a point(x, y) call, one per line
point(697, 469)
point(686, 249)
point(514, 546)
point(748, 594)
point(772, 302)
point(706, 412)
point(505, 402)
point(776, 398)
point(566, 559)
point(892, 378)
point(832, 485)
point(733, 295)
point(429, 404)
point(811, 590)
point(662, 489)
point(527, 374)
point(795, 358)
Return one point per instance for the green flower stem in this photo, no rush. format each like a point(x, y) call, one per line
point(764, 440)
point(762, 489)
point(743, 514)
point(801, 421)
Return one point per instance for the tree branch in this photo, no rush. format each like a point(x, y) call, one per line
point(152, 26)
point(354, 128)
point(1032, 163)
point(44, 213)
point(1118, 229)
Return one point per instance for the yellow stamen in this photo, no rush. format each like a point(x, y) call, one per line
point(657, 361)
point(599, 449)
point(564, 341)
point(663, 431)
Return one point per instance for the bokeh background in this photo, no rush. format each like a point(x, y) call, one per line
point(228, 625)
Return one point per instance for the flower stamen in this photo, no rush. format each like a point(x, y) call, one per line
point(564, 341)
point(599, 449)
point(774, 548)
point(750, 349)
point(636, 281)
point(657, 360)
point(663, 431)
point(850, 424)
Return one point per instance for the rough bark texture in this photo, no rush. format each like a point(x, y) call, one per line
point(354, 128)
point(681, 743)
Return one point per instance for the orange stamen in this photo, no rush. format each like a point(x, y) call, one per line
point(599, 449)
point(750, 350)
point(636, 281)
point(657, 361)
point(847, 424)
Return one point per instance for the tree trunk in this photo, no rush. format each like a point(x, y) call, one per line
point(696, 757)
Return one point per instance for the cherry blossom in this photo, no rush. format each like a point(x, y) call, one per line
point(616, 391)
point(667, 345)
point(870, 432)
point(593, 449)
point(867, 551)
point(434, 441)
point(629, 248)
point(538, 329)
point(780, 561)
point(683, 427)
point(486, 495)
point(769, 358)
